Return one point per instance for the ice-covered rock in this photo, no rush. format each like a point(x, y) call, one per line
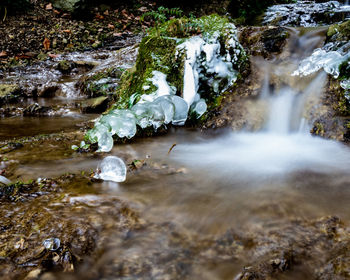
point(111, 168)
point(199, 107)
point(328, 58)
point(168, 85)
point(306, 13)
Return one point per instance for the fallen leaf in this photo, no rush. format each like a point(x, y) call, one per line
point(3, 54)
point(100, 30)
point(53, 55)
point(117, 34)
point(48, 6)
point(46, 44)
point(106, 13)
point(110, 26)
point(67, 31)
point(56, 12)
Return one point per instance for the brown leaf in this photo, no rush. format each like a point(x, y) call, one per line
point(3, 54)
point(110, 26)
point(117, 34)
point(53, 55)
point(67, 31)
point(106, 13)
point(46, 44)
point(48, 7)
point(56, 12)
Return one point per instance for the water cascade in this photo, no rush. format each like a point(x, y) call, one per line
point(284, 144)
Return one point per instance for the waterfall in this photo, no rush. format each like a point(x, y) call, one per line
point(284, 144)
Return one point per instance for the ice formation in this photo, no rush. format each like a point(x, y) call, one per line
point(304, 13)
point(111, 169)
point(328, 58)
point(52, 244)
point(208, 60)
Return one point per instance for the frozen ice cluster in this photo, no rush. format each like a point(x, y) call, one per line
point(328, 58)
point(209, 62)
point(305, 13)
point(111, 168)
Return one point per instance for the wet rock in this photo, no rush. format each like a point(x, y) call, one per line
point(48, 90)
point(65, 66)
point(274, 39)
point(9, 93)
point(95, 105)
point(263, 41)
point(36, 109)
point(68, 5)
point(332, 118)
point(306, 13)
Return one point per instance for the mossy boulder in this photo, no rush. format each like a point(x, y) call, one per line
point(9, 93)
point(182, 68)
point(339, 32)
point(160, 52)
point(102, 83)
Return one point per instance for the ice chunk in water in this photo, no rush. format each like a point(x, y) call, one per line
point(167, 106)
point(157, 117)
point(142, 114)
point(105, 142)
point(112, 168)
point(52, 244)
point(200, 107)
point(127, 128)
point(181, 110)
point(112, 122)
point(122, 122)
point(96, 133)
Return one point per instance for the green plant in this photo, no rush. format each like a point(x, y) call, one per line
point(161, 15)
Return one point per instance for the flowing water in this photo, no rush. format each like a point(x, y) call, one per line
point(217, 180)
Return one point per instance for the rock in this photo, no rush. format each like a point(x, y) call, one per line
point(48, 90)
point(263, 41)
point(306, 13)
point(65, 66)
point(274, 39)
point(34, 274)
point(95, 105)
point(36, 109)
point(187, 71)
point(9, 93)
point(4, 180)
point(68, 5)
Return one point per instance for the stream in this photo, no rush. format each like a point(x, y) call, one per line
point(212, 183)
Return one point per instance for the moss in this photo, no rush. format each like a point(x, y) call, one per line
point(102, 83)
point(9, 93)
point(339, 32)
point(344, 70)
point(155, 54)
